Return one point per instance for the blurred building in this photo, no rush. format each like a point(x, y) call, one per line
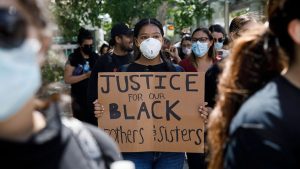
point(226, 10)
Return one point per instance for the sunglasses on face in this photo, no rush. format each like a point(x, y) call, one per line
point(13, 28)
point(220, 40)
point(202, 39)
point(88, 46)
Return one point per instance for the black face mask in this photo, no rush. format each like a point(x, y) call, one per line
point(87, 49)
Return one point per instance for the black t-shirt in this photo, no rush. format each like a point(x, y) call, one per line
point(78, 90)
point(265, 133)
point(107, 63)
point(55, 147)
point(162, 67)
point(211, 82)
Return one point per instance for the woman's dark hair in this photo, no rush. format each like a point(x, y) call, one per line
point(280, 14)
point(188, 38)
point(102, 47)
point(83, 34)
point(238, 22)
point(138, 26)
point(226, 41)
point(217, 28)
point(211, 51)
point(256, 58)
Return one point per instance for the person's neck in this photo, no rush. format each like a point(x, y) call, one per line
point(144, 61)
point(119, 51)
point(23, 125)
point(203, 63)
point(203, 60)
point(85, 56)
point(293, 72)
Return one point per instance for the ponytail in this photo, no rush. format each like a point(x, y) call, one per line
point(255, 60)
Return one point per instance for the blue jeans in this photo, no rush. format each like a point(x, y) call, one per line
point(156, 160)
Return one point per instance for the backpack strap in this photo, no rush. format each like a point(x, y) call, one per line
point(124, 68)
point(85, 140)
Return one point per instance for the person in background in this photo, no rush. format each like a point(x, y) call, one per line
point(203, 52)
point(104, 49)
point(255, 122)
point(77, 72)
point(167, 44)
point(201, 59)
point(122, 43)
point(170, 52)
point(185, 47)
point(239, 25)
point(32, 133)
point(219, 34)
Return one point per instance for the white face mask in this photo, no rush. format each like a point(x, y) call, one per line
point(19, 77)
point(150, 48)
point(187, 51)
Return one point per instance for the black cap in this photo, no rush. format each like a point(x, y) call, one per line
point(120, 29)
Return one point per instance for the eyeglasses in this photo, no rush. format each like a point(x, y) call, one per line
point(220, 40)
point(202, 39)
point(13, 28)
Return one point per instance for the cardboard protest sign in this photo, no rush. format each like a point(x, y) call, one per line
point(146, 111)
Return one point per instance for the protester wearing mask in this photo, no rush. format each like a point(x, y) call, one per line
point(148, 39)
point(219, 34)
point(185, 47)
point(238, 26)
point(122, 43)
point(32, 138)
point(77, 72)
point(200, 60)
point(203, 53)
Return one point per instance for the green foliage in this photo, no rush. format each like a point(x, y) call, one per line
point(52, 73)
point(239, 12)
point(71, 14)
point(185, 12)
point(130, 10)
point(53, 68)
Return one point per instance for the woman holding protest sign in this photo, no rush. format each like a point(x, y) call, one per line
point(148, 40)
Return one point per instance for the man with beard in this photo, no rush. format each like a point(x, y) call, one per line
point(122, 43)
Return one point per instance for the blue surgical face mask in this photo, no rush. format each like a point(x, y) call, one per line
point(200, 48)
point(218, 45)
point(19, 77)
